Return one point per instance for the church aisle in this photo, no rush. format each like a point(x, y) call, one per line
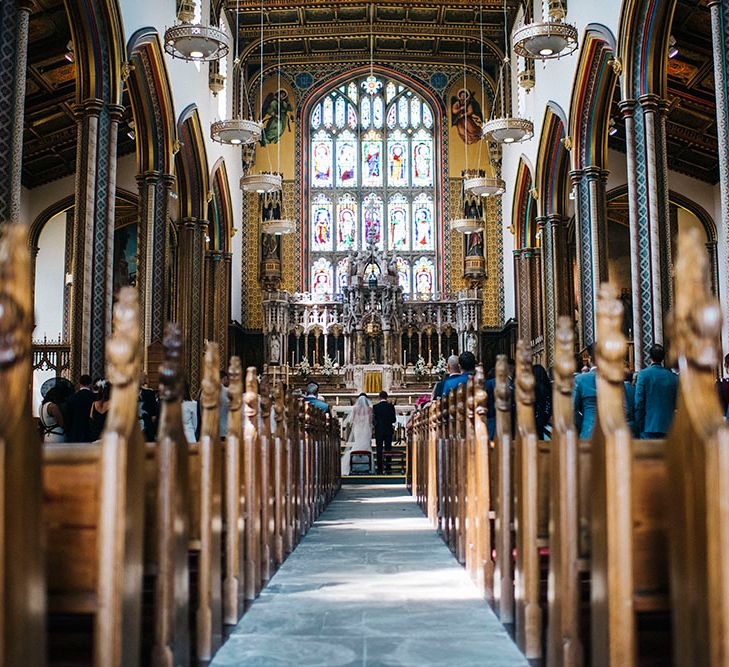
point(371, 584)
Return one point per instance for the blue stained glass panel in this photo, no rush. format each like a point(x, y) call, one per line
point(424, 277)
point(339, 113)
point(423, 223)
point(342, 274)
point(403, 274)
point(364, 110)
point(321, 279)
point(397, 160)
point(372, 214)
point(346, 222)
point(321, 223)
point(372, 162)
point(422, 160)
point(402, 112)
point(321, 162)
point(346, 161)
point(377, 112)
point(397, 217)
point(328, 112)
point(316, 117)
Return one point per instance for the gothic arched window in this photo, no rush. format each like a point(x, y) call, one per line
point(372, 179)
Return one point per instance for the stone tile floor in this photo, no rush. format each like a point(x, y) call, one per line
point(371, 584)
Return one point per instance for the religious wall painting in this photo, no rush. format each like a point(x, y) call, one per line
point(397, 218)
point(474, 244)
point(321, 215)
point(372, 214)
point(466, 116)
point(424, 277)
point(403, 273)
point(397, 159)
point(321, 163)
point(321, 279)
point(346, 222)
point(423, 227)
point(346, 160)
point(125, 256)
point(278, 116)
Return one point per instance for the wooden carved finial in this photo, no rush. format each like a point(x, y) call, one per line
point(696, 321)
point(16, 317)
point(524, 377)
point(278, 407)
point(564, 357)
point(210, 385)
point(502, 394)
point(480, 398)
point(611, 344)
point(170, 377)
point(265, 392)
point(122, 349)
point(250, 398)
point(235, 387)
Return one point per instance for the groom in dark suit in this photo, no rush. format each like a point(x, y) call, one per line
point(384, 418)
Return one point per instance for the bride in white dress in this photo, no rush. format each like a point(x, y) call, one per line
point(360, 434)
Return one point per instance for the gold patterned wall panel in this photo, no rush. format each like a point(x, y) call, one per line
point(291, 244)
point(251, 298)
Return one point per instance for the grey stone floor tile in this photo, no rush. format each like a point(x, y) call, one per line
point(371, 584)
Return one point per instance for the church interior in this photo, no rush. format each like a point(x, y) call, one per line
point(364, 332)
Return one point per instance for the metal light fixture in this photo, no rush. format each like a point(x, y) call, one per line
point(547, 39)
point(194, 41)
point(485, 186)
point(467, 225)
point(506, 129)
point(260, 183)
point(235, 131)
point(278, 227)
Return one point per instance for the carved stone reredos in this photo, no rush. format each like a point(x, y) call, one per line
point(611, 344)
point(122, 360)
point(564, 359)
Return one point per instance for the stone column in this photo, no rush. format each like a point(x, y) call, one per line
point(591, 215)
point(720, 34)
point(650, 235)
point(217, 300)
point(154, 190)
point(93, 250)
point(190, 279)
point(556, 277)
point(14, 20)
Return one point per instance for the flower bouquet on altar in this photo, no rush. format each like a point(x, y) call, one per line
point(328, 367)
point(420, 369)
point(303, 369)
point(440, 367)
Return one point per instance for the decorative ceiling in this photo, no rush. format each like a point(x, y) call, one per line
point(49, 141)
point(691, 135)
point(320, 31)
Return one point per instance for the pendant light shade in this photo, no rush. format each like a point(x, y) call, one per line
point(235, 132)
point(544, 41)
point(260, 183)
point(196, 42)
point(278, 227)
point(508, 130)
point(467, 225)
point(485, 186)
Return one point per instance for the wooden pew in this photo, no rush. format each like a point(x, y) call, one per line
point(94, 509)
point(22, 591)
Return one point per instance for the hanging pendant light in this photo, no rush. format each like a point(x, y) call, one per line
point(507, 129)
point(265, 181)
point(548, 39)
point(194, 42)
point(478, 183)
point(235, 131)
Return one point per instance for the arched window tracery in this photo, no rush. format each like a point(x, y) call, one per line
point(372, 178)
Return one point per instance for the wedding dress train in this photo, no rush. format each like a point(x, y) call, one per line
point(360, 436)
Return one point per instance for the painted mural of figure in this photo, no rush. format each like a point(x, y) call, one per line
point(276, 119)
point(270, 246)
point(467, 116)
point(475, 245)
point(397, 163)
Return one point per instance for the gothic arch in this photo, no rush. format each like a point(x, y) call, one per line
point(192, 166)
point(592, 96)
point(645, 27)
point(524, 212)
point(152, 104)
point(220, 209)
point(98, 41)
point(552, 163)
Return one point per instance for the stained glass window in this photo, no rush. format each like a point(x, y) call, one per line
point(321, 278)
point(346, 222)
point(373, 177)
point(424, 277)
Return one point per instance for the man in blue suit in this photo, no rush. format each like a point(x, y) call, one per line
point(467, 364)
point(655, 397)
point(584, 398)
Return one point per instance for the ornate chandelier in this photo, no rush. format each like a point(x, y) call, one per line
point(547, 39)
point(278, 227)
point(194, 41)
point(260, 183)
point(235, 131)
point(485, 186)
point(506, 129)
point(467, 225)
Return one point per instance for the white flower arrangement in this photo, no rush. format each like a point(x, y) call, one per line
point(303, 369)
point(440, 366)
point(421, 369)
point(328, 367)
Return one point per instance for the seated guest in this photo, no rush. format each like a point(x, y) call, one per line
point(655, 397)
point(312, 396)
point(629, 400)
point(722, 386)
point(454, 368)
point(51, 415)
point(584, 397)
point(467, 363)
point(99, 410)
point(78, 409)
